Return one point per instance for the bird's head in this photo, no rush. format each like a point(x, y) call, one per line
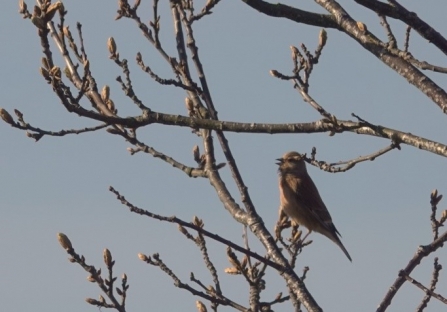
point(291, 163)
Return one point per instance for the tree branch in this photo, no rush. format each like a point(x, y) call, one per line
point(200, 230)
point(409, 18)
point(424, 289)
point(421, 253)
point(365, 38)
point(293, 14)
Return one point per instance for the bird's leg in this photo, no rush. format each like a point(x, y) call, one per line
point(305, 236)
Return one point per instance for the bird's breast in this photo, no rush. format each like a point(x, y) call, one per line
point(292, 206)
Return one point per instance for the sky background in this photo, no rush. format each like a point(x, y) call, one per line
point(61, 184)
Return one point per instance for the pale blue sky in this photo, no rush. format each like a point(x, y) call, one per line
point(61, 184)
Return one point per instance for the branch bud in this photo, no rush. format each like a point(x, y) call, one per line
point(200, 306)
point(36, 18)
point(22, 7)
point(196, 153)
point(45, 74)
point(6, 116)
point(111, 106)
point(434, 193)
point(143, 257)
point(107, 257)
point(295, 52)
point(105, 93)
point(51, 10)
point(111, 45)
point(197, 222)
point(18, 113)
point(67, 73)
point(37, 11)
point(211, 290)
point(66, 32)
point(274, 73)
point(182, 229)
point(38, 22)
point(92, 301)
point(232, 271)
point(138, 57)
point(443, 217)
point(64, 241)
point(322, 38)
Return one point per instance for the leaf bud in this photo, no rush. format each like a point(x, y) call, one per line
point(64, 241)
point(107, 257)
point(322, 37)
point(6, 116)
point(111, 45)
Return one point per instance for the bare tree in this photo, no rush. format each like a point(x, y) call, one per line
point(76, 88)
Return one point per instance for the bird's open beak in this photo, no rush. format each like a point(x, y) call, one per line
point(280, 160)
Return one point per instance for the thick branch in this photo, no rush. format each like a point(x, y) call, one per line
point(377, 47)
point(409, 18)
point(293, 14)
point(371, 43)
point(311, 127)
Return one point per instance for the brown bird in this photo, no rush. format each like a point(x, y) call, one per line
point(301, 201)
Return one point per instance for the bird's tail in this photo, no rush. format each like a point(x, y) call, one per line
point(331, 232)
point(337, 240)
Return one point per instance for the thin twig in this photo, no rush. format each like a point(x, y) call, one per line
point(176, 220)
point(421, 253)
point(349, 164)
point(424, 289)
point(407, 38)
point(434, 280)
point(392, 42)
point(210, 294)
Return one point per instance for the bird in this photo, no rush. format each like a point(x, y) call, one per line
point(301, 201)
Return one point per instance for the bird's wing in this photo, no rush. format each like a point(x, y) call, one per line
point(307, 193)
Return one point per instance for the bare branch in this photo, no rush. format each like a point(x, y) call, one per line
point(409, 18)
point(106, 285)
point(392, 42)
point(436, 268)
point(210, 294)
point(369, 41)
point(424, 289)
point(407, 38)
point(421, 253)
point(200, 230)
point(294, 14)
point(349, 164)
